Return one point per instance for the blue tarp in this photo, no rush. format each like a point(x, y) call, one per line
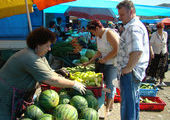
point(152, 21)
point(16, 27)
point(141, 10)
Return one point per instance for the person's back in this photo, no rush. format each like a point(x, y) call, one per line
point(15, 69)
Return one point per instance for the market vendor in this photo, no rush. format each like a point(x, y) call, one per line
point(23, 71)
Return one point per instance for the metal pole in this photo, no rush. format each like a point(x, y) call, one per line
point(28, 16)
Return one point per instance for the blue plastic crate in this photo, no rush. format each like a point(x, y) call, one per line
point(148, 92)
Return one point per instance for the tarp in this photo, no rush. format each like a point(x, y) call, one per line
point(141, 10)
point(11, 7)
point(166, 21)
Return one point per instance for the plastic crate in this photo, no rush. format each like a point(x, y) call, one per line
point(96, 90)
point(148, 92)
point(158, 106)
point(45, 87)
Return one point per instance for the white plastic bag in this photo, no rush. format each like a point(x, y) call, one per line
point(116, 83)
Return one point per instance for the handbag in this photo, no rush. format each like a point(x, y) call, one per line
point(98, 66)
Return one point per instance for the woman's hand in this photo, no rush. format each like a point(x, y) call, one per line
point(102, 61)
point(85, 64)
point(79, 87)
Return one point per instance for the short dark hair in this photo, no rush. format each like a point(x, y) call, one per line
point(40, 36)
point(128, 4)
point(93, 24)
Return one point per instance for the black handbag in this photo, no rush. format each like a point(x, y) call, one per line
point(98, 66)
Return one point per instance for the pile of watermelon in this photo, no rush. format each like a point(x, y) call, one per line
point(66, 104)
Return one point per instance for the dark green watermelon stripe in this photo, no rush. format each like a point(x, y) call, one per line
point(73, 115)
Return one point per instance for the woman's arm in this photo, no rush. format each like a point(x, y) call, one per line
point(59, 81)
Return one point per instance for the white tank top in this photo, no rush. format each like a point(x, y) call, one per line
point(104, 47)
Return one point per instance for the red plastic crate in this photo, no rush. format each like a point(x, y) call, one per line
point(96, 90)
point(45, 87)
point(159, 106)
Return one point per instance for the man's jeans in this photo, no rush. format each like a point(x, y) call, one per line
point(129, 91)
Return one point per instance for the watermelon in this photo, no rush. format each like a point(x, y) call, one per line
point(79, 102)
point(88, 92)
point(26, 119)
point(33, 112)
point(74, 92)
point(65, 112)
point(90, 53)
point(45, 117)
point(92, 102)
point(49, 99)
point(62, 91)
point(64, 99)
point(89, 114)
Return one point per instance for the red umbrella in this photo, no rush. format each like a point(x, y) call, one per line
point(42, 4)
point(91, 13)
point(166, 21)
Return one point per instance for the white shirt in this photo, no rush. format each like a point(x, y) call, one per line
point(134, 38)
point(104, 47)
point(159, 43)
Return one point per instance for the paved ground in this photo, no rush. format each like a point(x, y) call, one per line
point(163, 93)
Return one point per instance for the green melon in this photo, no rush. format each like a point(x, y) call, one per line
point(74, 92)
point(92, 102)
point(45, 117)
point(79, 102)
point(49, 99)
point(26, 119)
point(84, 59)
point(90, 53)
point(62, 91)
point(64, 99)
point(33, 112)
point(65, 112)
point(89, 114)
point(88, 92)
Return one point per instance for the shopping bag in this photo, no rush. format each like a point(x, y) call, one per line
point(42, 4)
point(14, 7)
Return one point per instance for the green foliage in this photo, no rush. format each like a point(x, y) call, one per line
point(61, 49)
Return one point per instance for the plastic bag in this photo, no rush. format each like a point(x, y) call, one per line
point(116, 83)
